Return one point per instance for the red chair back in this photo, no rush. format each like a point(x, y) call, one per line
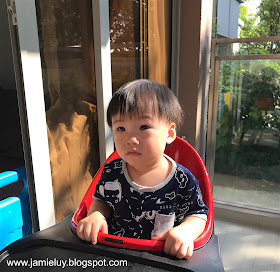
point(183, 153)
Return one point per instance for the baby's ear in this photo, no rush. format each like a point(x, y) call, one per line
point(171, 133)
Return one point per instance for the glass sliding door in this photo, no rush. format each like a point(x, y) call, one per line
point(140, 39)
point(67, 55)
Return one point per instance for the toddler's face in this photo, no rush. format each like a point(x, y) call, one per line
point(141, 140)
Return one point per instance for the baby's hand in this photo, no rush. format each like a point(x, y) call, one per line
point(89, 227)
point(177, 242)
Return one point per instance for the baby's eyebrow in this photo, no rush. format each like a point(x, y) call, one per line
point(145, 117)
point(116, 121)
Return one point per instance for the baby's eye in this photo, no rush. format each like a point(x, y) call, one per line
point(120, 129)
point(144, 127)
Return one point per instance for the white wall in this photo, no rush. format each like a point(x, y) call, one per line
point(227, 18)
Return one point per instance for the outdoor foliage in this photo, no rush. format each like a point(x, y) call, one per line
point(248, 125)
point(265, 23)
point(253, 112)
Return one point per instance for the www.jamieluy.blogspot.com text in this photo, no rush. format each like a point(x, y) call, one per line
point(66, 263)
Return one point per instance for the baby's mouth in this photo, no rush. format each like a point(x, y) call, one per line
point(133, 153)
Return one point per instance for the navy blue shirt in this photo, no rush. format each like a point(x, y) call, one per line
point(143, 212)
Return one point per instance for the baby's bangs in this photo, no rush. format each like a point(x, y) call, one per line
point(140, 102)
point(141, 97)
point(135, 102)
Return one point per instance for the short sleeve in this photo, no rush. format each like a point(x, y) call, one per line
point(99, 190)
point(189, 199)
point(108, 188)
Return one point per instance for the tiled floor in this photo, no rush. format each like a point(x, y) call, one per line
point(247, 248)
point(252, 192)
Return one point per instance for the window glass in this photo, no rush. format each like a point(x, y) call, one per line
point(140, 34)
point(66, 47)
point(247, 157)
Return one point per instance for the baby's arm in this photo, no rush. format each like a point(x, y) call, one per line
point(179, 240)
point(95, 221)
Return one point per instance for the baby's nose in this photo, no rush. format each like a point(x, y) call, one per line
point(132, 140)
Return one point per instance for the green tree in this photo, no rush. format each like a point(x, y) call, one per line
point(269, 25)
point(265, 23)
point(249, 28)
point(269, 14)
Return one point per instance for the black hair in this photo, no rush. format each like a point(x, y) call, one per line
point(141, 96)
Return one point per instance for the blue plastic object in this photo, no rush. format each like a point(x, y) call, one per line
point(8, 177)
point(15, 219)
point(10, 221)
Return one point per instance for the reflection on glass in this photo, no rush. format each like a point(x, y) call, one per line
point(247, 158)
point(140, 33)
point(66, 45)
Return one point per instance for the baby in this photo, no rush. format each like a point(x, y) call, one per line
point(145, 194)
